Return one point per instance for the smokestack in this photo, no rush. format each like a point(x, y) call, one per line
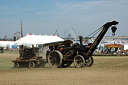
point(21, 30)
point(81, 40)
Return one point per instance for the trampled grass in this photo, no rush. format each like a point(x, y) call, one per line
point(99, 61)
point(5, 64)
point(11, 52)
point(106, 70)
point(111, 62)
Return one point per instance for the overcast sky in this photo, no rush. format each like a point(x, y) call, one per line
point(46, 16)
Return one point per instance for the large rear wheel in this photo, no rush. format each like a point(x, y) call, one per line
point(79, 61)
point(55, 59)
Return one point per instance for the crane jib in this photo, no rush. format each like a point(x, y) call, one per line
point(100, 36)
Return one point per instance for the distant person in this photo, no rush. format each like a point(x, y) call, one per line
point(20, 51)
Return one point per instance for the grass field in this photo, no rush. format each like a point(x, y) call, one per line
point(106, 70)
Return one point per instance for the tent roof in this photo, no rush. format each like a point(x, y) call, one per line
point(113, 45)
point(5, 43)
point(37, 39)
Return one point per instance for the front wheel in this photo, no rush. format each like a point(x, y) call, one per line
point(89, 61)
point(79, 61)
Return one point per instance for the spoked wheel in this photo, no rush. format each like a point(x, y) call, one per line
point(66, 64)
point(16, 65)
point(89, 61)
point(32, 65)
point(55, 59)
point(79, 61)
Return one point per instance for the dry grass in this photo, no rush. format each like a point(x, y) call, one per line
point(105, 71)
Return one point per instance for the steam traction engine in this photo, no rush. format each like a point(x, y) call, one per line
point(62, 54)
point(28, 57)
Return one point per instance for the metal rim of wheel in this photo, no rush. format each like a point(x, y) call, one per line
point(16, 65)
point(89, 61)
point(79, 61)
point(55, 59)
point(32, 65)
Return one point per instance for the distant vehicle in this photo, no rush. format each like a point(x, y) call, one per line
point(1, 49)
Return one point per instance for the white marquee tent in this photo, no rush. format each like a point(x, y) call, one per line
point(6, 43)
point(37, 39)
point(126, 46)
